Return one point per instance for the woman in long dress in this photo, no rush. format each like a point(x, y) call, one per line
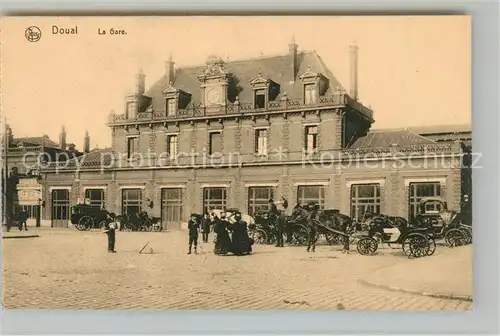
point(222, 240)
point(241, 241)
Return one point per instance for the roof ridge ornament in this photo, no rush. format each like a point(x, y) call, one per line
point(215, 69)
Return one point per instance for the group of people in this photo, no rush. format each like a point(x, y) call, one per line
point(231, 236)
point(237, 243)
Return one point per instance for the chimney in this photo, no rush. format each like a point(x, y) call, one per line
point(353, 56)
point(71, 147)
point(86, 142)
point(292, 50)
point(9, 136)
point(169, 71)
point(140, 83)
point(62, 138)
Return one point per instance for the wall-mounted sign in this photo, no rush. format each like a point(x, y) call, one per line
point(29, 196)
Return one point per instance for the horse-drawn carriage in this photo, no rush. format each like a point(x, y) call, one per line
point(139, 222)
point(265, 231)
point(415, 242)
point(331, 226)
point(444, 224)
point(85, 217)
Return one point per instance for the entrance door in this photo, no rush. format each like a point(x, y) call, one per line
point(60, 208)
point(171, 208)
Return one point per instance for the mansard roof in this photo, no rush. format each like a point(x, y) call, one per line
point(442, 129)
point(35, 141)
point(388, 138)
point(275, 68)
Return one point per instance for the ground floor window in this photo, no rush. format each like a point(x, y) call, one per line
point(214, 198)
point(96, 197)
point(364, 198)
point(32, 210)
point(258, 199)
point(307, 194)
point(419, 190)
point(131, 201)
point(171, 207)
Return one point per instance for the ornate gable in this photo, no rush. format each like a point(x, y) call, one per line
point(310, 76)
point(316, 78)
point(259, 81)
point(215, 70)
point(169, 90)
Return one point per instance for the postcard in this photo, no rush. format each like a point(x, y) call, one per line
point(237, 162)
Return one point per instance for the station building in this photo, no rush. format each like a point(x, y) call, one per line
point(235, 134)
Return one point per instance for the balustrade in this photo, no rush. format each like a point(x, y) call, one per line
point(283, 103)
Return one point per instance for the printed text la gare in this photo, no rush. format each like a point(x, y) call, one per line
point(112, 31)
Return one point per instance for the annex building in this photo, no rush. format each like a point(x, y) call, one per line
point(237, 133)
point(27, 156)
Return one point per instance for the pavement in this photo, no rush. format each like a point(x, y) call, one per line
point(449, 275)
point(69, 269)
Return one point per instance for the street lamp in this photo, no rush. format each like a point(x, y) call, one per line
point(39, 213)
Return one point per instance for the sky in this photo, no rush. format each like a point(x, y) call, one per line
point(413, 70)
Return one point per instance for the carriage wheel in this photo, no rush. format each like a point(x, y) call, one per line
point(467, 235)
point(259, 236)
point(367, 246)
point(79, 227)
point(86, 223)
point(128, 227)
point(378, 238)
point(416, 245)
point(300, 235)
point(455, 237)
point(331, 238)
point(432, 246)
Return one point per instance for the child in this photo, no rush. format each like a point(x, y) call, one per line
point(205, 227)
point(193, 228)
point(109, 229)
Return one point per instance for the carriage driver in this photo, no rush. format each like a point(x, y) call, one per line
point(273, 212)
point(278, 218)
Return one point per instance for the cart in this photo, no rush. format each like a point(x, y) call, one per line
point(86, 217)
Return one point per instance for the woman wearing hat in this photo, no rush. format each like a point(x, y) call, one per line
point(241, 240)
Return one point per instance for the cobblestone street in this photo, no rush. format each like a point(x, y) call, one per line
point(66, 269)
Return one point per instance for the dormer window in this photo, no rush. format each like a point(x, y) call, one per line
point(260, 99)
point(131, 110)
point(175, 99)
point(310, 94)
point(315, 85)
point(171, 107)
point(264, 90)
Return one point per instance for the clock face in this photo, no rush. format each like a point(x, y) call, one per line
point(214, 95)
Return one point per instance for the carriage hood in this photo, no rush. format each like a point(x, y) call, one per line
point(448, 216)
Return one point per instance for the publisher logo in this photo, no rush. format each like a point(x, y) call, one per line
point(33, 34)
